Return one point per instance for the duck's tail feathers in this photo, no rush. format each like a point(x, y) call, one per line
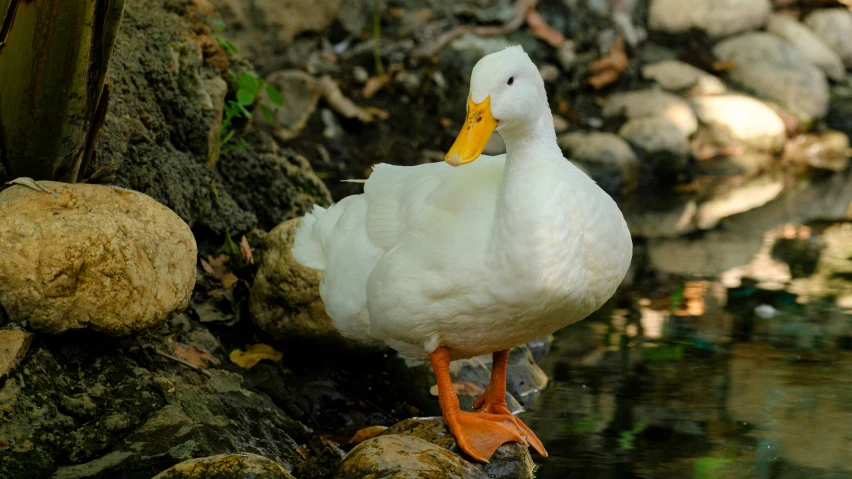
point(312, 237)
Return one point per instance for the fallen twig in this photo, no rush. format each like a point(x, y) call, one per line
point(521, 9)
point(337, 100)
point(179, 360)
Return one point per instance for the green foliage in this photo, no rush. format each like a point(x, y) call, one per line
point(230, 247)
point(249, 87)
point(627, 439)
point(709, 467)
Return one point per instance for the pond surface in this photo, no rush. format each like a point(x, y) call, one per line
point(744, 374)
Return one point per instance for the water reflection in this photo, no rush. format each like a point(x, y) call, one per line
point(748, 374)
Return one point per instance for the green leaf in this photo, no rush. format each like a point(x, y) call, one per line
point(245, 112)
point(245, 97)
point(248, 81)
point(267, 115)
point(274, 96)
point(235, 146)
point(227, 138)
point(230, 247)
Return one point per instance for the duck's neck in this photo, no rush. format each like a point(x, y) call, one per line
point(527, 199)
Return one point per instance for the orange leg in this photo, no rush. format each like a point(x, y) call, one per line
point(493, 400)
point(478, 434)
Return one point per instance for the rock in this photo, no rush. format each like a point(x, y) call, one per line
point(473, 47)
point(285, 300)
point(737, 120)
point(511, 460)
point(524, 378)
point(834, 27)
point(683, 78)
point(808, 44)
point(742, 198)
point(675, 219)
point(404, 457)
point(773, 68)
point(13, 347)
point(96, 257)
point(716, 17)
point(833, 273)
point(652, 103)
point(141, 413)
point(662, 143)
point(227, 466)
point(607, 158)
point(825, 151)
point(300, 94)
point(285, 19)
point(566, 54)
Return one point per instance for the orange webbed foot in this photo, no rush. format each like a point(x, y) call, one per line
point(480, 434)
point(500, 409)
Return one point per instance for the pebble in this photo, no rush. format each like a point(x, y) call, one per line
point(716, 17)
point(683, 78)
point(834, 27)
point(661, 142)
point(808, 44)
point(607, 158)
point(652, 103)
point(743, 120)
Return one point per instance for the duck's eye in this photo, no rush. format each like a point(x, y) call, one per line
point(511, 80)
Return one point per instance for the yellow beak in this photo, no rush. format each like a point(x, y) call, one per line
point(477, 129)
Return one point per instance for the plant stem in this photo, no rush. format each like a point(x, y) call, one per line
point(377, 29)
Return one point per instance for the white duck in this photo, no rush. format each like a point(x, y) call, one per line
point(450, 263)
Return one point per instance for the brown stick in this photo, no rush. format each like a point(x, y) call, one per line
point(179, 360)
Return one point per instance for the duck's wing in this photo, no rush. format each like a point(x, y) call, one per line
point(427, 198)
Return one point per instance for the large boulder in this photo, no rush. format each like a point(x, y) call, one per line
point(92, 256)
point(834, 27)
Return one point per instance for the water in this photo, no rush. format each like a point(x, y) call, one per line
point(744, 374)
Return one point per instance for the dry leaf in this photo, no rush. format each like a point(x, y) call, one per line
point(302, 451)
point(366, 433)
point(192, 355)
point(607, 69)
point(246, 250)
point(541, 30)
point(254, 354)
point(216, 267)
point(723, 66)
point(337, 100)
point(462, 388)
point(229, 279)
point(373, 85)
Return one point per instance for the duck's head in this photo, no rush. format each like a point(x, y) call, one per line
point(507, 94)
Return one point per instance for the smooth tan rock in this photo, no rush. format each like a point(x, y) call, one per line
point(285, 300)
point(404, 457)
point(742, 121)
point(683, 78)
point(607, 158)
point(716, 17)
point(227, 466)
point(808, 44)
point(13, 347)
point(652, 103)
point(510, 461)
point(92, 256)
point(834, 27)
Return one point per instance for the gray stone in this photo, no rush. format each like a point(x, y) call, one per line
point(661, 142)
point(683, 78)
point(834, 27)
point(773, 68)
point(738, 120)
point(300, 93)
point(716, 17)
point(652, 103)
point(607, 158)
point(808, 44)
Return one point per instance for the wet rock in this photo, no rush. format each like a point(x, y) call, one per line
point(661, 143)
point(606, 157)
point(825, 151)
point(736, 120)
point(285, 300)
point(716, 17)
point(773, 68)
point(652, 103)
point(300, 94)
point(834, 27)
point(404, 457)
point(511, 460)
point(744, 197)
point(13, 347)
point(832, 276)
point(92, 256)
point(683, 78)
point(675, 219)
point(808, 44)
point(227, 466)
